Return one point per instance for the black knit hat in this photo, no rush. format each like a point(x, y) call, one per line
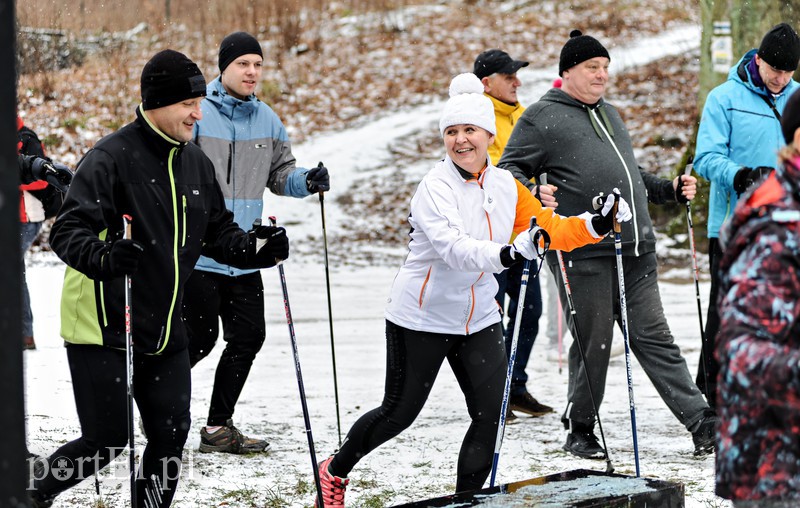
point(496, 61)
point(235, 45)
point(170, 77)
point(781, 47)
point(790, 119)
point(579, 48)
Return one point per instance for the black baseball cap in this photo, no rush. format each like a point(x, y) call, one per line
point(496, 61)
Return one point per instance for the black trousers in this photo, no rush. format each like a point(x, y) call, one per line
point(413, 360)
point(162, 389)
point(239, 301)
point(708, 368)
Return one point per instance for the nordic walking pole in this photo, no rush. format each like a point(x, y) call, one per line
point(537, 234)
point(624, 318)
point(560, 316)
point(297, 371)
point(330, 312)
point(576, 334)
point(126, 220)
point(560, 330)
point(696, 274)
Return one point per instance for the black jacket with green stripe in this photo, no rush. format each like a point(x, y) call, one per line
point(178, 213)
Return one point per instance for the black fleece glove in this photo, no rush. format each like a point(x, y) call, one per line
point(57, 175)
point(123, 258)
point(679, 197)
point(270, 245)
point(317, 179)
point(746, 177)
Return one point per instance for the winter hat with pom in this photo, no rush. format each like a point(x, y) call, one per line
point(579, 48)
point(235, 45)
point(781, 48)
point(168, 78)
point(467, 105)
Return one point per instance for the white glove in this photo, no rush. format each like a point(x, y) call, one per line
point(623, 210)
point(600, 224)
point(523, 245)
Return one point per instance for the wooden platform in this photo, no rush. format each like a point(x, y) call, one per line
point(578, 488)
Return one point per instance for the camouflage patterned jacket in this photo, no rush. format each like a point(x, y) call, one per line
point(758, 346)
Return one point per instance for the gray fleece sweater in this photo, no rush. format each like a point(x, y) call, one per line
point(585, 150)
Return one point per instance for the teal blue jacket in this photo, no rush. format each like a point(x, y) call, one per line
point(738, 129)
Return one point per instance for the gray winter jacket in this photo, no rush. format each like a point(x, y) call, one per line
point(585, 150)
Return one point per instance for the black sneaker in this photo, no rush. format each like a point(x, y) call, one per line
point(39, 501)
point(229, 439)
point(36, 469)
point(527, 404)
point(584, 444)
point(705, 437)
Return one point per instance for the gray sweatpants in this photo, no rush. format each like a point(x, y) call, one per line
point(595, 292)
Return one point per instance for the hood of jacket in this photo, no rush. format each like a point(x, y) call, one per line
point(227, 104)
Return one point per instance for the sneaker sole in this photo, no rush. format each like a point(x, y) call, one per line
point(597, 456)
point(708, 449)
point(207, 448)
point(531, 413)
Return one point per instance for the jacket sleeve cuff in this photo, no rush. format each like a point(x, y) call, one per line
point(587, 219)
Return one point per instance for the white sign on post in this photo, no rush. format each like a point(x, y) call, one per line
point(722, 47)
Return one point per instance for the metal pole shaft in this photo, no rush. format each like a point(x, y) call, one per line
point(330, 315)
point(523, 288)
point(579, 341)
point(624, 318)
point(127, 219)
point(299, 374)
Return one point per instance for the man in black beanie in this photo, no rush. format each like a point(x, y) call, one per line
point(737, 144)
point(148, 173)
point(250, 149)
point(579, 140)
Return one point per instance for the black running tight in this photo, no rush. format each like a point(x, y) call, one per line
point(413, 360)
point(162, 387)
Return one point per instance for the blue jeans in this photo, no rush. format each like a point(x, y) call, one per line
point(509, 283)
point(28, 231)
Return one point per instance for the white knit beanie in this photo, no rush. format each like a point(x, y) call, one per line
point(468, 105)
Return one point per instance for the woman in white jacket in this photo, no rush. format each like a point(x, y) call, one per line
point(442, 303)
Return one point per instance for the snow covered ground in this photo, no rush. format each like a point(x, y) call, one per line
point(420, 463)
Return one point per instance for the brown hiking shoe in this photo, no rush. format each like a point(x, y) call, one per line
point(229, 439)
point(511, 418)
point(527, 404)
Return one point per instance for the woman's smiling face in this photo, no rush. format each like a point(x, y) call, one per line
point(468, 145)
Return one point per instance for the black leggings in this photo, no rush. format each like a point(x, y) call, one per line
point(413, 360)
point(162, 388)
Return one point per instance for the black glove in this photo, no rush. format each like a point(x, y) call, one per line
point(123, 258)
point(270, 245)
point(746, 177)
point(317, 179)
point(679, 197)
point(57, 175)
point(603, 222)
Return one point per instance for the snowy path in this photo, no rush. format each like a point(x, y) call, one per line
point(420, 463)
